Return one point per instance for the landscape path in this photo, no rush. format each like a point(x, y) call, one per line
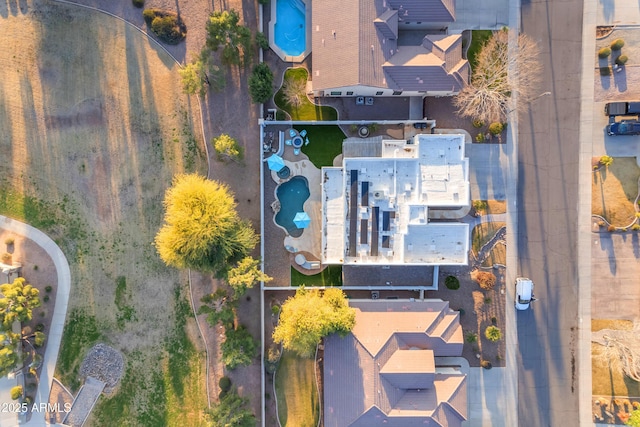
point(54, 335)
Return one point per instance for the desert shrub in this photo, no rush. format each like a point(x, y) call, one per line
point(275, 309)
point(622, 59)
point(9, 241)
point(167, 26)
point(494, 320)
point(493, 333)
point(486, 280)
point(604, 52)
point(477, 123)
point(273, 354)
point(486, 364)
point(262, 41)
point(16, 392)
point(635, 227)
point(225, 384)
point(495, 128)
point(452, 282)
point(611, 228)
point(471, 337)
point(617, 44)
point(487, 300)
point(48, 288)
point(605, 71)
point(480, 205)
point(606, 160)
point(138, 3)
point(39, 327)
point(45, 298)
point(480, 137)
point(6, 258)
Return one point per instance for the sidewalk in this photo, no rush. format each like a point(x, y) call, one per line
point(54, 335)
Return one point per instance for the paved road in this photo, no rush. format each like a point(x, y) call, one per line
point(548, 156)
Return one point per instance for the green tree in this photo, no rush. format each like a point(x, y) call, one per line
point(231, 411)
point(218, 308)
point(9, 356)
point(309, 316)
point(239, 348)
point(227, 148)
point(262, 41)
point(202, 229)
point(224, 29)
point(634, 418)
point(17, 301)
point(261, 83)
point(293, 91)
point(201, 74)
point(245, 275)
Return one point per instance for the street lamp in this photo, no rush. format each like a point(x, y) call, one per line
point(540, 96)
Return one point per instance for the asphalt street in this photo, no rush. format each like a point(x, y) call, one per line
point(548, 157)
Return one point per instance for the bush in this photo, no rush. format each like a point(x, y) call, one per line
point(261, 83)
point(48, 288)
point(486, 364)
point(495, 128)
point(622, 59)
point(45, 298)
point(9, 241)
point(452, 282)
point(617, 44)
point(471, 337)
point(611, 228)
point(167, 26)
point(486, 280)
point(604, 52)
point(16, 392)
point(477, 123)
point(39, 327)
point(138, 3)
point(493, 333)
point(605, 71)
point(225, 384)
point(275, 309)
point(635, 227)
point(262, 41)
point(606, 160)
point(6, 258)
point(480, 137)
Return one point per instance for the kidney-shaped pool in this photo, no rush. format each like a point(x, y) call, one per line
point(292, 195)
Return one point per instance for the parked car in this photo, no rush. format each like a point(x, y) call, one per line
point(622, 108)
point(524, 293)
point(624, 127)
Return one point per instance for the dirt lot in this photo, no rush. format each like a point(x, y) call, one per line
point(97, 130)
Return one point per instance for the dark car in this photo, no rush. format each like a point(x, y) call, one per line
point(624, 127)
point(420, 125)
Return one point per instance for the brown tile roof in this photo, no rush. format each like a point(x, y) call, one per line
point(384, 374)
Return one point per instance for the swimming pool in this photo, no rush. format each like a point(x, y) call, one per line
point(292, 195)
point(290, 31)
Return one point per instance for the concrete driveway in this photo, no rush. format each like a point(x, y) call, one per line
point(487, 171)
point(614, 146)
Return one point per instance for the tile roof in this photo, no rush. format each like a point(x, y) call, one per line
point(384, 373)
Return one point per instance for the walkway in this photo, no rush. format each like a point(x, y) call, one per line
point(54, 335)
point(84, 402)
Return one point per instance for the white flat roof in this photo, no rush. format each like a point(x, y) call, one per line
point(375, 209)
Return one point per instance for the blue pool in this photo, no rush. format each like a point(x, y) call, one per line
point(290, 29)
point(292, 195)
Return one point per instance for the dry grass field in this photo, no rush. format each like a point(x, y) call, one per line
point(94, 126)
point(613, 190)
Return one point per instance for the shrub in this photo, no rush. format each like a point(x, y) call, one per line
point(487, 300)
point(617, 44)
point(477, 123)
point(138, 3)
point(635, 227)
point(261, 83)
point(493, 333)
point(9, 241)
point(605, 71)
point(45, 298)
point(611, 228)
point(39, 327)
point(262, 41)
point(495, 128)
point(494, 320)
point(486, 364)
point(480, 137)
point(6, 258)
point(622, 59)
point(486, 280)
point(16, 392)
point(471, 337)
point(452, 282)
point(604, 52)
point(225, 384)
point(273, 354)
point(35, 267)
point(606, 160)
point(48, 288)
point(167, 26)
point(275, 309)
point(148, 15)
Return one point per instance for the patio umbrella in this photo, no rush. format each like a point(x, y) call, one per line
point(301, 220)
point(275, 162)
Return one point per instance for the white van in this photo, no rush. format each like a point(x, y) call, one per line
point(524, 293)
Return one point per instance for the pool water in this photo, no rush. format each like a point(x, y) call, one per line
point(292, 195)
point(290, 28)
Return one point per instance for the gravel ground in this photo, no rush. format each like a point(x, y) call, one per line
point(623, 85)
point(103, 363)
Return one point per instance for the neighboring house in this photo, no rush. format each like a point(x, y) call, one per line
point(375, 210)
point(386, 48)
point(386, 372)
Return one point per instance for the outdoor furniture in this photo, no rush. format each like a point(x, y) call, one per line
point(303, 133)
point(288, 142)
point(292, 133)
point(296, 151)
point(306, 141)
